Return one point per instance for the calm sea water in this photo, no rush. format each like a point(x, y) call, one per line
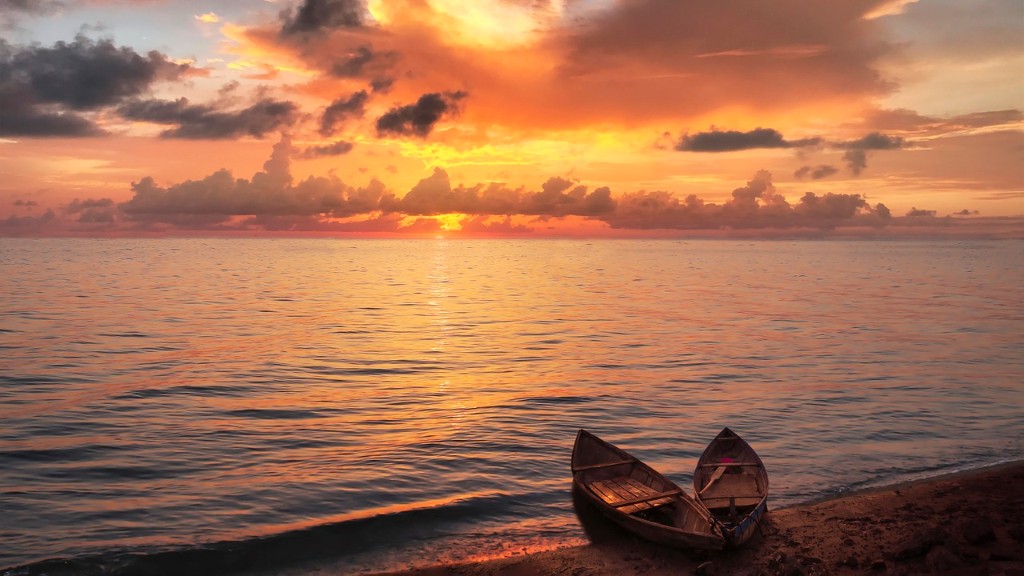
point(401, 402)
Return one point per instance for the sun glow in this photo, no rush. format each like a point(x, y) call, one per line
point(450, 222)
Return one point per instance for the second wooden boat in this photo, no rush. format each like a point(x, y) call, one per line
point(732, 483)
point(638, 498)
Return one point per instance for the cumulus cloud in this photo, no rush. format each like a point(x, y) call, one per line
point(206, 121)
point(418, 119)
point(271, 192)
point(93, 211)
point(732, 140)
point(341, 110)
point(557, 197)
point(756, 205)
point(273, 200)
point(44, 91)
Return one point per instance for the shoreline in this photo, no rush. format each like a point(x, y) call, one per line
point(964, 522)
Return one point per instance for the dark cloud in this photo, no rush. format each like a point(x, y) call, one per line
point(82, 75)
point(364, 62)
point(318, 15)
point(418, 119)
point(856, 156)
point(856, 160)
point(45, 91)
point(336, 149)
point(12, 10)
point(34, 7)
point(919, 213)
point(815, 172)
point(21, 120)
point(205, 121)
point(732, 140)
point(873, 141)
point(341, 110)
point(381, 84)
point(28, 203)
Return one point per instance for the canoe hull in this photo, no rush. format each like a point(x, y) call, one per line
point(732, 483)
point(606, 476)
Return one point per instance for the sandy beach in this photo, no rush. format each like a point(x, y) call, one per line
point(968, 523)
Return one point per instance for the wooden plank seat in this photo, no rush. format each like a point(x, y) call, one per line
point(630, 495)
point(738, 489)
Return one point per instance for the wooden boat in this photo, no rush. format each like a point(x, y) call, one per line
point(635, 496)
point(732, 483)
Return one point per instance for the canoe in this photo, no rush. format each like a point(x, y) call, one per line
point(732, 484)
point(638, 498)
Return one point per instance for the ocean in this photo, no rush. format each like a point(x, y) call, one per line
point(394, 403)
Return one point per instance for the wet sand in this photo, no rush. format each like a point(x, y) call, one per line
point(970, 523)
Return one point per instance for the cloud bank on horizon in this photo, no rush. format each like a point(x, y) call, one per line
point(636, 116)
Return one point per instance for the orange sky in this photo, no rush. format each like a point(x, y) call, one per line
point(574, 117)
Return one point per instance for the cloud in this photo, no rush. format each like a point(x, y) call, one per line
point(82, 75)
point(873, 141)
point(47, 91)
point(11, 10)
point(855, 154)
point(336, 149)
point(208, 18)
point(342, 109)
point(815, 172)
point(418, 119)
point(856, 157)
point(21, 120)
point(364, 62)
point(273, 200)
point(269, 192)
point(93, 211)
point(919, 213)
point(756, 205)
point(317, 15)
point(731, 140)
point(557, 198)
point(205, 121)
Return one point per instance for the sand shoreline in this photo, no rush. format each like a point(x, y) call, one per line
point(968, 522)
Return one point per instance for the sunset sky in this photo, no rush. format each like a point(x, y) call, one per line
point(511, 117)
